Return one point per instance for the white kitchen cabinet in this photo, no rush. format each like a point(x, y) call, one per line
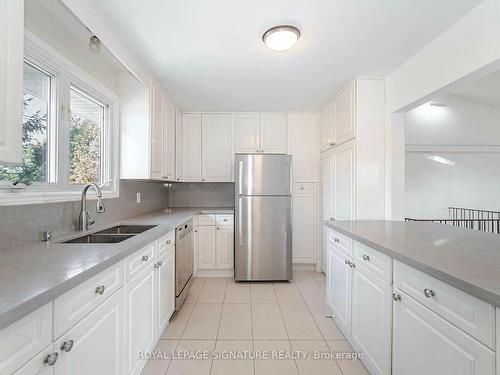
point(169, 150)
point(327, 183)
point(260, 133)
point(157, 129)
point(326, 125)
point(272, 133)
point(95, 344)
point(339, 276)
point(372, 319)
point(191, 147)
point(217, 147)
point(11, 80)
point(246, 132)
point(179, 135)
point(206, 247)
point(302, 144)
point(140, 320)
point(39, 364)
point(225, 247)
point(164, 290)
point(425, 343)
point(343, 181)
point(344, 114)
point(305, 223)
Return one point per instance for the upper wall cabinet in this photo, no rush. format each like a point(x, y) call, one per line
point(302, 135)
point(344, 114)
point(191, 147)
point(327, 136)
point(11, 79)
point(147, 131)
point(217, 147)
point(260, 133)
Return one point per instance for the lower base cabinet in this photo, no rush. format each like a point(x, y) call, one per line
point(165, 290)
point(425, 343)
point(37, 365)
point(372, 320)
point(95, 344)
point(140, 327)
point(339, 288)
point(224, 238)
point(215, 243)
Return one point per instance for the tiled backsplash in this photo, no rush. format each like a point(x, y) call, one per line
point(209, 195)
point(23, 224)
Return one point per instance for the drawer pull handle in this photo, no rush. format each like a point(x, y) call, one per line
point(67, 346)
point(366, 257)
point(160, 264)
point(352, 265)
point(336, 240)
point(346, 261)
point(396, 297)
point(169, 242)
point(428, 293)
point(100, 289)
point(50, 359)
point(145, 258)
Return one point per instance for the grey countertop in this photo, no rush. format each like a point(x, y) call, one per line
point(467, 259)
point(32, 276)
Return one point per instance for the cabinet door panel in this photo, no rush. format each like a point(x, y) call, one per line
point(217, 146)
point(191, 147)
point(425, 343)
point(326, 125)
point(206, 247)
point(340, 275)
point(272, 133)
point(302, 135)
point(97, 342)
point(37, 366)
point(304, 227)
point(372, 320)
point(157, 130)
point(246, 133)
point(169, 142)
point(327, 186)
point(140, 320)
point(344, 114)
point(165, 290)
point(225, 247)
point(343, 182)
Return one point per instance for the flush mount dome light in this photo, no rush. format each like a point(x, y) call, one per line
point(281, 38)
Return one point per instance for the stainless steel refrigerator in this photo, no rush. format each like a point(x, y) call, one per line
point(263, 228)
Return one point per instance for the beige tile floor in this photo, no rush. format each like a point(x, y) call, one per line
point(222, 315)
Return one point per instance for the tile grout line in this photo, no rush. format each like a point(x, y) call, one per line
point(218, 326)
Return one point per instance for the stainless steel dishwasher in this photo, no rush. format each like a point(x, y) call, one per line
point(184, 246)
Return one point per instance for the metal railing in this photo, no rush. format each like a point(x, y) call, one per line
point(469, 218)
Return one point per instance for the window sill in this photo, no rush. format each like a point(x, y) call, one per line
point(23, 197)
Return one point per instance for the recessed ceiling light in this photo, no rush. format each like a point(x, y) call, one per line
point(281, 38)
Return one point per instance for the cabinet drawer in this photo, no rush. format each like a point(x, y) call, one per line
point(469, 313)
point(23, 339)
point(37, 366)
point(138, 261)
point(341, 242)
point(304, 188)
point(206, 220)
point(373, 260)
point(75, 304)
point(165, 243)
point(224, 220)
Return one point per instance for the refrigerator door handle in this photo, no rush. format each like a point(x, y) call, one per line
point(240, 223)
point(240, 177)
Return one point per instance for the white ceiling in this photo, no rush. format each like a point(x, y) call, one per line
point(210, 56)
point(485, 90)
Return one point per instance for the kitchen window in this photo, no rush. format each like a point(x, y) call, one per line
point(69, 132)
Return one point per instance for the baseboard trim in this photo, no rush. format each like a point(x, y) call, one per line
point(309, 267)
point(214, 273)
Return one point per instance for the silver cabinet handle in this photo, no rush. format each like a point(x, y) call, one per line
point(366, 257)
point(160, 264)
point(169, 242)
point(302, 188)
point(224, 220)
point(332, 143)
point(332, 219)
point(145, 258)
point(50, 359)
point(336, 240)
point(155, 266)
point(100, 289)
point(428, 293)
point(66, 346)
point(351, 264)
point(346, 261)
point(218, 228)
point(396, 297)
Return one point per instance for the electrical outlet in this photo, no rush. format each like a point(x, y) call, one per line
point(138, 198)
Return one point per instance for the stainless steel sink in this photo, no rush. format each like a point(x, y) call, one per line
point(101, 238)
point(127, 229)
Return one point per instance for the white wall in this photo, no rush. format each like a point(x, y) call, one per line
point(469, 46)
point(436, 178)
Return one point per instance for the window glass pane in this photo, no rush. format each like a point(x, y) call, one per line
point(36, 107)
point(86, 133)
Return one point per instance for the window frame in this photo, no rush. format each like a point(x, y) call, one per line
point(65, 74)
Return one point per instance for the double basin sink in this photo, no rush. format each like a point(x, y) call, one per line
point(112, 235)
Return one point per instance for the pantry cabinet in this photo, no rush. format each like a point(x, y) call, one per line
point(11, 80)
point(260, 133)
point(302, 144)
point(95, 344)
point(305, 223)
point(217, 148)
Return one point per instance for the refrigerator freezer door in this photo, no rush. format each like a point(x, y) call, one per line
point(263, 241)
point(262, 174)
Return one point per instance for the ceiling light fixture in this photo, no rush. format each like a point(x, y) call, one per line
point(281, 38)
